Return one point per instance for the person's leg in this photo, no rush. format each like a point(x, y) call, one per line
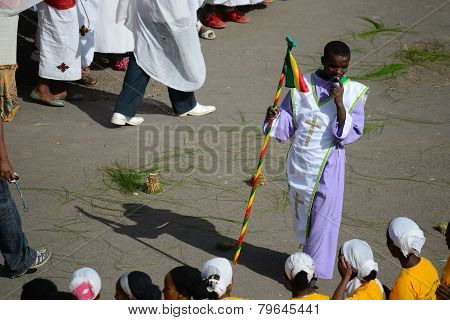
point(182, 102)
point(185, 104)
point(133, 90)
point(18, 256)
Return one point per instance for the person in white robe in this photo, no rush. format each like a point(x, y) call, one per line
point(88, 13)
point(111, 37)
point(59, 54)
point(167, 49)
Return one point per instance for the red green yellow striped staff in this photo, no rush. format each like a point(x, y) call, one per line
point(293, 77)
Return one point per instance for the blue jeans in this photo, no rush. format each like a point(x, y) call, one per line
point(13, 243)
point(133, 90)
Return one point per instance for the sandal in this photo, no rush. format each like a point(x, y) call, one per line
point(88, 80)
point(205, 33)
point(53, 102)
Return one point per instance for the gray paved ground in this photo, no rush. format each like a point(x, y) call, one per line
point(402, 169)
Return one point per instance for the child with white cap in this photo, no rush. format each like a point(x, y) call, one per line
point(219, 276)
point(299, 271)
point(86, 284)
point(418, 279)
point(359, 273)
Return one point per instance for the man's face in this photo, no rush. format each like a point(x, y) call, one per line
point(335, 66)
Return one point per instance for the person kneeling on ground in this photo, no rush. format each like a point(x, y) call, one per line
point(86, 284)
point(136, 285)
point(218, 275)
point(184, 283)
point(359, 273)
point(418, 279)
point(299, 272)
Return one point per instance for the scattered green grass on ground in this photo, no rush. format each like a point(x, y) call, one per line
point(386, 70)
point(373, 126)
point(419, 53)
point(378, 27)
point(125, 179)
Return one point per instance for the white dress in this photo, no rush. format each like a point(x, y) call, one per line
point(234, 3)
point(111, 36)
point(59, 43)
point(167, 46)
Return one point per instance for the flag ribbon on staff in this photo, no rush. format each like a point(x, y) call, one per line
point(292, 76)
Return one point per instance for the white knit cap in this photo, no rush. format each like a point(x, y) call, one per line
point(406, 235)
point(86, 284)
point(221, 268)
point(359, 254)
point(299, 262)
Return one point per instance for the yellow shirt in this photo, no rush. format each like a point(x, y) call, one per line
point(445, 279)
point(313, 296)
point(367, 291)
point(233, 298)
point(417, 283)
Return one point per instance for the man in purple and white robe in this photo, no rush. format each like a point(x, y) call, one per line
point(322, 122)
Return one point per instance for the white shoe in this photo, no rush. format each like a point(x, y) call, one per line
point(199, 110)
point(121, 120)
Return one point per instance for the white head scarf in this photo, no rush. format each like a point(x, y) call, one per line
point(299, 262)
point(406, 235)
point(124, 284)
point(221, 268)
point(359, 254)
point(86, 284)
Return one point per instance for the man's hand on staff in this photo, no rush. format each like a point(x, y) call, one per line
point(272, 113)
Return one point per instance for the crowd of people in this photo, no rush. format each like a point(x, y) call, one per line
point(417, 280)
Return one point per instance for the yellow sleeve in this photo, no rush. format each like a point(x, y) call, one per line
point(402, 289)
point(361, 295)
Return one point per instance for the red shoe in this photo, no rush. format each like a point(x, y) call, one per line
point(213, 21)
point(236, 16)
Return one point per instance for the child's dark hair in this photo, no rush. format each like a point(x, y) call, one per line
point(38, 289)
point(300, 281)
point(372, 276)
point(337, 48)
point(189, 282)
point(63, 296)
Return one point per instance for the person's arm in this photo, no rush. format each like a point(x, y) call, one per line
point(283, 126)
point(338, 93)
point(353, 127)
point(6, 170)
point(443, 292)
point(345, 270)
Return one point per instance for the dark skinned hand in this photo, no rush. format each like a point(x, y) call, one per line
point(6, 170)
point(338, 93)
point(345, 269)
point(443, 292)
point(272, 113)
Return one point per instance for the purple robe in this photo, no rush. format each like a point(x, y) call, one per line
point(326, 212)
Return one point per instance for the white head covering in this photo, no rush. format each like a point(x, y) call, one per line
point(359, 254)
point(221, 268)
point(406, 235)
point(86, 284)
point(126, 286)
point(299, 262)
